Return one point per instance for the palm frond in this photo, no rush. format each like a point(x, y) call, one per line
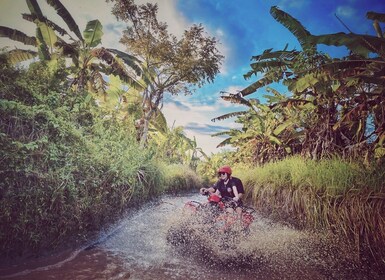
point(268, 79)
point(54, 26)
point(359, 44)
point(229, 115)
point(224, 142)
point(17, 35)
point(17, 55)
point(66, 16)
point(294, 26)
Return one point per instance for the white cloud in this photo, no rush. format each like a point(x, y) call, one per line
point(200, 116)
point(295, 4)
point(346, 11)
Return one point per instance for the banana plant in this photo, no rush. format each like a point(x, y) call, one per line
point(90, 60)
point(344, 92)
point(268, 131)
point(359, 79)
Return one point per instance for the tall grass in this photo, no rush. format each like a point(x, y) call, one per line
point(344, 197)
point(179, 177)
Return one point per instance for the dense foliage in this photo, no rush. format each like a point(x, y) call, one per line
point(334, 106)
point(67, 167)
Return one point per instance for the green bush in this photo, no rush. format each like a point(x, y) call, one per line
point(67, 168)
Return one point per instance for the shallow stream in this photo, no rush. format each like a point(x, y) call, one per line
point(138, 247)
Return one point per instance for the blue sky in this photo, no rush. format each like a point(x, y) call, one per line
point(244, 28)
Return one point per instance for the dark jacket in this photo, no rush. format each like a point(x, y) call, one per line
point(226, 190)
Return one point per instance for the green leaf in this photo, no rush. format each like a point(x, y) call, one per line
point(274, 140)
point(294, 26)
point(282, 127)
point(359, 44)
point(159, 122)
point(128, 59)
point(335, 86)
point(17, 35)
point(16, 56)
point(93, 33)
point(42, 46)
point(304, 82)
point(33, 6)
point(66, 16)
point(48, 34)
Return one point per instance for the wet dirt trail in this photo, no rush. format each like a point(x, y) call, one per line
point(138, 247)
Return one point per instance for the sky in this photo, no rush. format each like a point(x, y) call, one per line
point(243, 28)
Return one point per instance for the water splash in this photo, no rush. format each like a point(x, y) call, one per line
point(160, 241)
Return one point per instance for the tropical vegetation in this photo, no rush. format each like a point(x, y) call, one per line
point(70, 149)
point(334, 106)
point(333, 117)
point(84, 138)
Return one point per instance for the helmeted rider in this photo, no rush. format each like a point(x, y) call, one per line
point(228, 187)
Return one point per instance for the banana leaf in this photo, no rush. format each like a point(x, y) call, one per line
point(130, 60)
point(54, 26)
point(229, 115)
point(294, 26)
point(359, 44)
point(42, 46)
point(278, 130)
point(48, 35)
point(16, 56)
point(34, 8)
point(17, 35)
point(66, 16)
point(93, 33)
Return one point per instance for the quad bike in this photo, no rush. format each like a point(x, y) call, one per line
point(215, 212)
point(210, 219)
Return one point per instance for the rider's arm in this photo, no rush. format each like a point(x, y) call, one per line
point(237, 196)
point(205, 190)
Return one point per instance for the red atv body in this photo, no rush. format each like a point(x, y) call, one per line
point(215, 212)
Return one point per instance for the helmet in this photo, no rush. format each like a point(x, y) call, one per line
point(226, 169)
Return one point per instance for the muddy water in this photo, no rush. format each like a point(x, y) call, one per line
point(139, 247)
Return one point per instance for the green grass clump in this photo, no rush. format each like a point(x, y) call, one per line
point(347, 198)
point(333, 176)
point(179, 177)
